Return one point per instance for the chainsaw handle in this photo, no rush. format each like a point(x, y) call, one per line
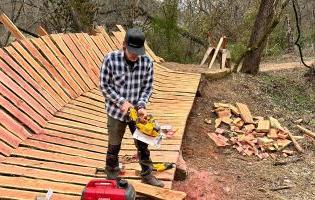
point(106, 182)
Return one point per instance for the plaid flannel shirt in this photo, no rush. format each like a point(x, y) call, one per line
point(120, 82)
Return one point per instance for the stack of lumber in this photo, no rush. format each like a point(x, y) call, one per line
point(263, 137)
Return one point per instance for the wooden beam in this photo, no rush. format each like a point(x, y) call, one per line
point(245, 113)
point(208, 52)
point(41, 31)
point(296, 144)
point(216, 52)
point(156, 192)
point(11, 27)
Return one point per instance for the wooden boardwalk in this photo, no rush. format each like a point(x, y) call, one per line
point(53, 131)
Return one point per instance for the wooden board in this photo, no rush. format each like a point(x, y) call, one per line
point(245, 113)
point(21, 93)
point(65, 89)
point(65, 63)
point(73, 88)
point(11, 27)
point(58, 94)
point(19, 103)
point(47, 91)
point(17, 193)
point(263, 126)
point(72, 60)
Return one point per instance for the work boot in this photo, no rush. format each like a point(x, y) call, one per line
point(112, 173)
point(151, 180)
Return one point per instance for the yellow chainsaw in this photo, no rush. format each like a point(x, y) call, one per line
point(147, 125)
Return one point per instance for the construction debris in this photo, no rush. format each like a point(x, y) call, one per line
point(250, 135)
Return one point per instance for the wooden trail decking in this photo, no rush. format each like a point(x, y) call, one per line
point(53, 131)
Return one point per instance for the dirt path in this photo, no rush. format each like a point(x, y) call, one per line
point(222, 173)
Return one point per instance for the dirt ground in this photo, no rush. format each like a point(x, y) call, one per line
point(222, 173)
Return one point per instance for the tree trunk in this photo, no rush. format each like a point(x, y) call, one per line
point(289, 36)
point(263, 20)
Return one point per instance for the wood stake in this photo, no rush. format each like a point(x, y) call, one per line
point(306, 131)
point(11, 27)
point(208, 52)
point(216, 52)
point(296, 144)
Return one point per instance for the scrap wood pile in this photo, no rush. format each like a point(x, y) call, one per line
point(263, 137)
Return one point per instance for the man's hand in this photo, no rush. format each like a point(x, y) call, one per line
point(142, 112)
point(125, 107)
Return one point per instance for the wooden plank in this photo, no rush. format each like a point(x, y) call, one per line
point(80, 40)
point(29, 172)
point(23, 118)
point(245, 113)
point(17, 194)
point(19, 103)
point(85, 37)
point(40, 185)
point(75, 131)
point(82, 109)
point(48, 165)
point(95, 67)
point(72, 59)
point(100, 43)
point(107, 38)
point(116, 42)
point(158, 156)
point(65, 63)
point(216, 52)
point(71, 84)
point(208, 52)
point(101, 38)
point(17, 76)
point(9, 138)
point(98, 142)
point(65, 88)
point(19, 90)
point(101, 148)
point(65, 150)
point(11, 27)
point(43, 73)
point(57, 157)
point(5, 149)
point(263, 126)
point(41, 31)
point(156, 192)
point(57, 170)
point(78, 56)
point(13, 126)
point(46, 91)
point(83, 120)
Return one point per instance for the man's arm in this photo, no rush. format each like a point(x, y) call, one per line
point(146, 90)
point(106, 85)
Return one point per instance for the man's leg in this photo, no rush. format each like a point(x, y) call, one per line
point(145, 160)
point(116, 130)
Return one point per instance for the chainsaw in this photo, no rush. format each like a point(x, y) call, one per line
point(148, 130)
point(147, 125)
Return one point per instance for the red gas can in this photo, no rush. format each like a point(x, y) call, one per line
point(103, 189)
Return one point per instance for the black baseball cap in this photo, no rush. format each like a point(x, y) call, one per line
point(134, 40)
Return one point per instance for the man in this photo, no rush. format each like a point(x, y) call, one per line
point(126, 80)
